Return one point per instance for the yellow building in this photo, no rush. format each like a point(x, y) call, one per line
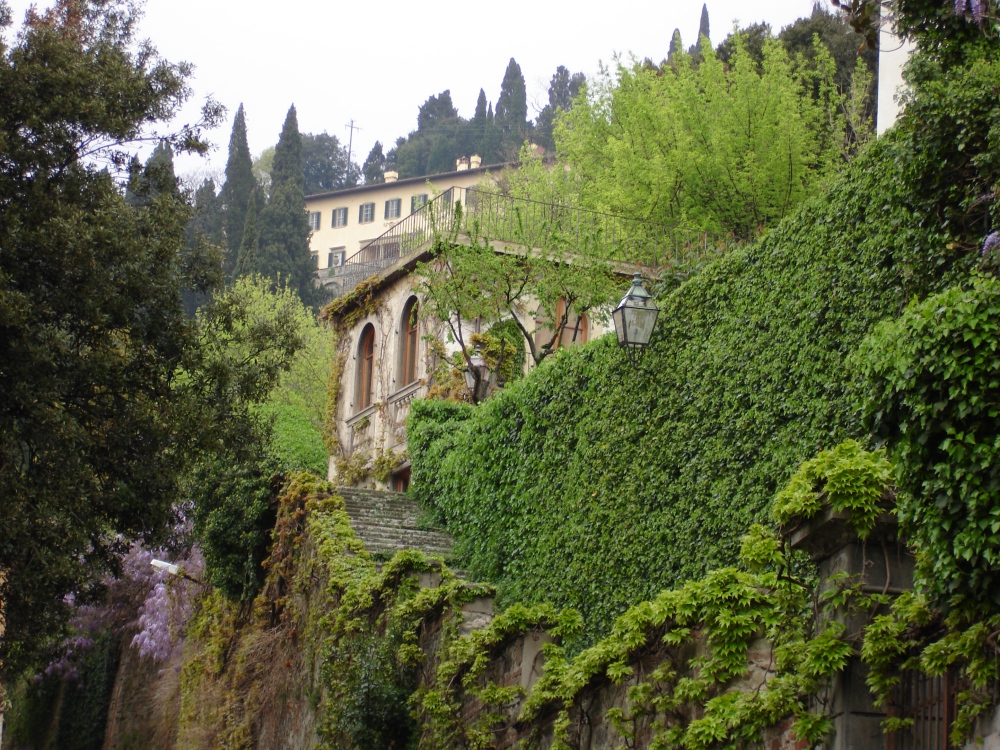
point(344, 221)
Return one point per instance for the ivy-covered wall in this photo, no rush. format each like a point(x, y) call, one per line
point(592, 485)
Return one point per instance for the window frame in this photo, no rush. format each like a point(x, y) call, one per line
point(315, 219)
point(341, 211)
point(409, 343)
point(395, 203)
point(366, 209)
point(413, 202)
point(366, 368)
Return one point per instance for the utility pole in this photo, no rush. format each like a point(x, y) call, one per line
point(350, 141)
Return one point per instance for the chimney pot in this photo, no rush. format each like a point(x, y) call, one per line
point(390, 175)
point(461, 165)
point(475, 160)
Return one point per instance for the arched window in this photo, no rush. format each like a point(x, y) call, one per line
point(575, 331)
point(409, 343)
point(366, 367)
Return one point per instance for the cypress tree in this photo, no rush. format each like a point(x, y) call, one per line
point(512, 108)
point(703, 31)
point(203, 229)
point(236, 192)
point(284, 225)
point(490, 147)
point(480, 117)
point(676, 46)
point(374, 166)
point(248, 257)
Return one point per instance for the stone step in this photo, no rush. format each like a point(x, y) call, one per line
point(387, 522)
point(403, 538)
point(385, 518)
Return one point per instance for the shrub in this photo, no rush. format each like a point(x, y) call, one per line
point(934, 380)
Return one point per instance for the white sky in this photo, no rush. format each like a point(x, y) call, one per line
point(377, 62)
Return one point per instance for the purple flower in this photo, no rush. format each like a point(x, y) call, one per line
point(991, 244)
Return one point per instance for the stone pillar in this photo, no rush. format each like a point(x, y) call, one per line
point(881, 563)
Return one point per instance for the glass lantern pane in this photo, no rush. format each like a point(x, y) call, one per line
point(640, 322)
point(617, 316)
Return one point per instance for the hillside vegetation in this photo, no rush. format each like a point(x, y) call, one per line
point(590, 485)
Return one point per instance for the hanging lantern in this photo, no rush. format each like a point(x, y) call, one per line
point(634, 319)
point(478, 365)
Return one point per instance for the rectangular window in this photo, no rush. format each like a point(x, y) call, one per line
point(417, 202)
point(336, 258)
point(366, 213)
point(340, 217)
point(315, 257)
point(393, 207)
point(314, 221)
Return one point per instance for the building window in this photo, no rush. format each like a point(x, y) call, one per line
point(366, 367)
point(417, 202)
point(315, 257)
point(409, 343)
point(314, 221)
point(401, 481)
point(366, 213)
point(336, 257)
point(393, 208)
point(575, 331)
point(340, 217)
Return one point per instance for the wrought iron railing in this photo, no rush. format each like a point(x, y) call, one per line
point(545, 227)
point(930, 703)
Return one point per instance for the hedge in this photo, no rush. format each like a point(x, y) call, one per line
point(591, 485)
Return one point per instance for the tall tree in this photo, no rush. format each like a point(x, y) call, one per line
point(249, 260)
point(325, 165)
point(845, 44)
point(512, 108)
point(704, 30)
point(236, 191)
point(563, 89)
point(480, 116)
point(284, 225)
point(374, 168)
point(204, 231)
point(436, 111)
point(676, 46)
point(93, 421)
point(728, 149)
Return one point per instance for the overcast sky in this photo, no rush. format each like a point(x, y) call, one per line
point(376, 62)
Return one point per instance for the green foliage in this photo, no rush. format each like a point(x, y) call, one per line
point(512, 108)
point(590, 485)
point(846, 479)
point(262, 355)
point(284, 225)
point(464, 282)
point(238, 188)
point(503, 349)
point(234, 500)
point(720, 148)
point(92, 331)
point(913, 637)
point(934, 380)
point(325, 165)
point(374, 167)
point(563, 91)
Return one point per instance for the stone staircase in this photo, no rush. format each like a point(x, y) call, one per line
point(387, 522)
